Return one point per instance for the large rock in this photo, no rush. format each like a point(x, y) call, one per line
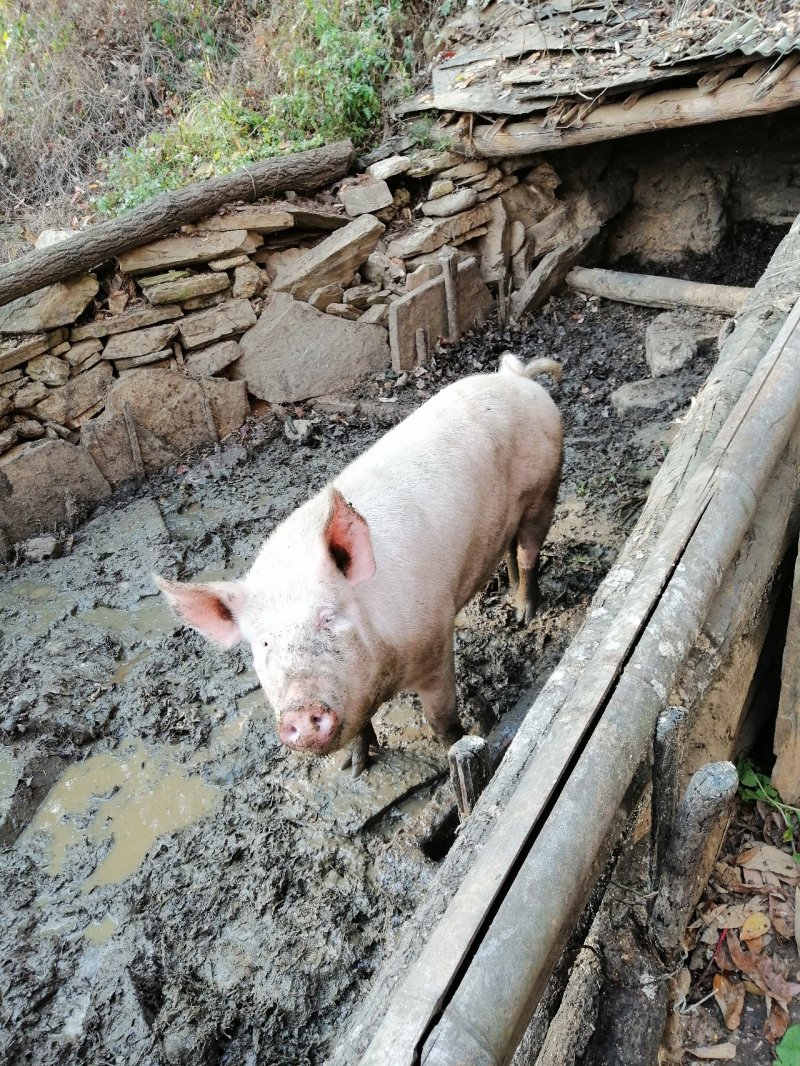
point(364, 194)
point(180, 251)
point(20, 350)
point(48, 369)
point(257, 219)
point(44, 484)
point(120, 458)
point(225, 320)
point(228, 403)
point(653, 397)
point(294, 352)
point(78, 395)
point(140, 341)
point(56, 305)
point(137, 318)
point(669, 344)
point(429, 235)
point(450, 204)
point(675, 210)
point(171, 407)
point(177, 291)
point(209, 361)
point(335, 259)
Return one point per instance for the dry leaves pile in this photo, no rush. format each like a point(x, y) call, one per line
point(746, 938)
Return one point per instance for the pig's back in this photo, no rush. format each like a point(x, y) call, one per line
point(443, 492)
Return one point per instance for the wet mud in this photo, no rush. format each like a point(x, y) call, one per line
point(178, 888)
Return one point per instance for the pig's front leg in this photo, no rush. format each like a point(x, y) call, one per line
point(358, 752)
point(437, 690)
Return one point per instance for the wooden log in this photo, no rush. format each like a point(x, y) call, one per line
point(757, 327)
point(470, 769)
point(716, 681)
point(572, 1027)
point(699, 827)
point(303, 172)
point(667, 109)
point(649, 290)
point(786, 772)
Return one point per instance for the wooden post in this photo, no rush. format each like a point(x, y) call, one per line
point(449, 261)
point(470, 770)
point(668, 744)
point(699, 825)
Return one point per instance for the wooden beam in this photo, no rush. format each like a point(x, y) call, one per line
point(666, 109)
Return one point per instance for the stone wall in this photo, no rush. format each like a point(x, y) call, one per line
point(115, 374)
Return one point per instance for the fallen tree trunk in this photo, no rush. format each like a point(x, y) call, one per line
point(756, 328)
point(663, 110)
point(649, 290)
point(304, 172)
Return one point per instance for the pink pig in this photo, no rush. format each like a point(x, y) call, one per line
point(353, 597)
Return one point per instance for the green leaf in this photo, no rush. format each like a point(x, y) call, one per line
point(787, 1053)
point(748, 778)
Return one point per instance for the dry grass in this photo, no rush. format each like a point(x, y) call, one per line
point(81, 80)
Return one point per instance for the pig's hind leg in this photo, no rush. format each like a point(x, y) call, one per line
point(531, 533)
point(437, 690)
point(358, 752)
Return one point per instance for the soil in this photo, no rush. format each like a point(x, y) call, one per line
point(178, 887)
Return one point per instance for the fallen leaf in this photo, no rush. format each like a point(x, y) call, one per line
point(714, 1051)
point(797, 917)
point(776, 1024)
point(762, 971)
point(783, 917)
point(729, 995)
point(755, 925)
point(768, 859)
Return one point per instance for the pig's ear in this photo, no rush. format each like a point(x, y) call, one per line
point(211, 609)
point(348, 541)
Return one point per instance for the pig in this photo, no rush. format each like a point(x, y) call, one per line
point(353, 597)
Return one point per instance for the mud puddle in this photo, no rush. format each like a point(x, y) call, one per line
point(179, 887)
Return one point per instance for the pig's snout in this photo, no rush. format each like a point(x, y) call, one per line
point(308, 727)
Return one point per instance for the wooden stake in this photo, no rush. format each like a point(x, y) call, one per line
point(470, 769)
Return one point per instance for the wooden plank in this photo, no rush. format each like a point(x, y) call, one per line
point(666, 109)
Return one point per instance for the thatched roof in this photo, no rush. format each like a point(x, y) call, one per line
point(556, 62)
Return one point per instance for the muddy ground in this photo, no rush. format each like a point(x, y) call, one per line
point(178, 888)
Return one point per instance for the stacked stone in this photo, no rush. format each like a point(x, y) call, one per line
point(284, 301)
